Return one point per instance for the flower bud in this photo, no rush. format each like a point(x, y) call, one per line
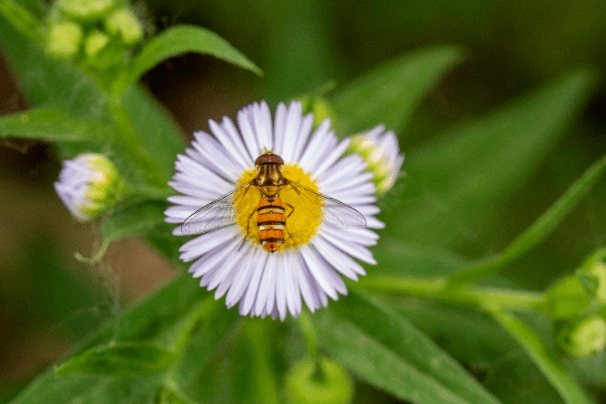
point(328, 383)
point(94, 43)
point(124, 23)
point(382, 154)
point(566, 299)
point(85, 10)
point(64, 39)
point(583, 338)
point(592, 276)
point(88, 185)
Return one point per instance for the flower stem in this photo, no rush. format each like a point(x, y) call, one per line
point(436, 288)
point(306, 327)
point(537, 232)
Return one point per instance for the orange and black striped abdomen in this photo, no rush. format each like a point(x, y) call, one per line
point(270, 221)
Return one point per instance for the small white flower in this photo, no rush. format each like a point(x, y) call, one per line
point(88, 185)
point(382, 154)
point(314, 256)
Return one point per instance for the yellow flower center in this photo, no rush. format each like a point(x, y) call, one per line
point(303, 213)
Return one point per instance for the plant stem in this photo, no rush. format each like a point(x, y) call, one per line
point(537, 232)
point(436, 288)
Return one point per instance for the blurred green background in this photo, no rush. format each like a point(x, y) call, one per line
point(48, 300)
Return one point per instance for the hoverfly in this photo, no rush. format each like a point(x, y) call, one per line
point(271, 212)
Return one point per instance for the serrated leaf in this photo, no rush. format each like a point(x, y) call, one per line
point(462, 173)
point(389, 94)
point(118, 360)
point(53, 125)
point(383, 349)
point(178, 40)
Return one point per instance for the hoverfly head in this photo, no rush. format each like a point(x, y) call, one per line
point(268, 157)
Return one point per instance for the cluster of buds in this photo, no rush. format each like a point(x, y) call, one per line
point(578, 303)
point(89, 27)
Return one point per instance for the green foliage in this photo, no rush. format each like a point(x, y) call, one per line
point(180, 345)
point(118, 360)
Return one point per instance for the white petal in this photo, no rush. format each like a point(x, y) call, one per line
point(317, 269)
point(253, 288)
point(316, 147)
point(338, 259)
point(302, 137)
point(331, 158)
point(207, 242)
point(279, 127)
point(291, 130)
point(246, 128)
point(241, 282)
point(281, 288)
point(232, 143)
point(349, 248)
point(267, 287)
point(262, 125)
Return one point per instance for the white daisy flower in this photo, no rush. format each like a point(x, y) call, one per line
point(322, 237)
point(382, 154)
point(88, 185)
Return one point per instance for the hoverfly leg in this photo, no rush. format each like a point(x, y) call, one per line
point(291, 207)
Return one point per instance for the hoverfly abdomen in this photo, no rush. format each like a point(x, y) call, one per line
point(271, 222)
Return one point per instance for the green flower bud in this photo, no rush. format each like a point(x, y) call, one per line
point(566, 299)
point(593, 277)
point(330, 384)
point(64, 39)
point(94, 43)
point(382, 154)
point(88, 185)
point(85, 10)
point(583, 338)
point(125, 24)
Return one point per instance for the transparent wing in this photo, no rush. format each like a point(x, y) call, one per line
point(216, 214)
point(336, 212)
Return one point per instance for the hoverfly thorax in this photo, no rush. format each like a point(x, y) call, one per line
point(269, 178)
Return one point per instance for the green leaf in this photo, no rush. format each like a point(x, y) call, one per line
point(491, 354)
point(543, 357)
point(54, 125)
point(539, 230)
point(390, 93)
point(21, 18)
point(159, 136)
point(178, 40)
point(141, 218)
point(118, 360)
point(158, 319)
point(134, 218)
point(383, 349)
point(462, 173)
point(49, 82)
